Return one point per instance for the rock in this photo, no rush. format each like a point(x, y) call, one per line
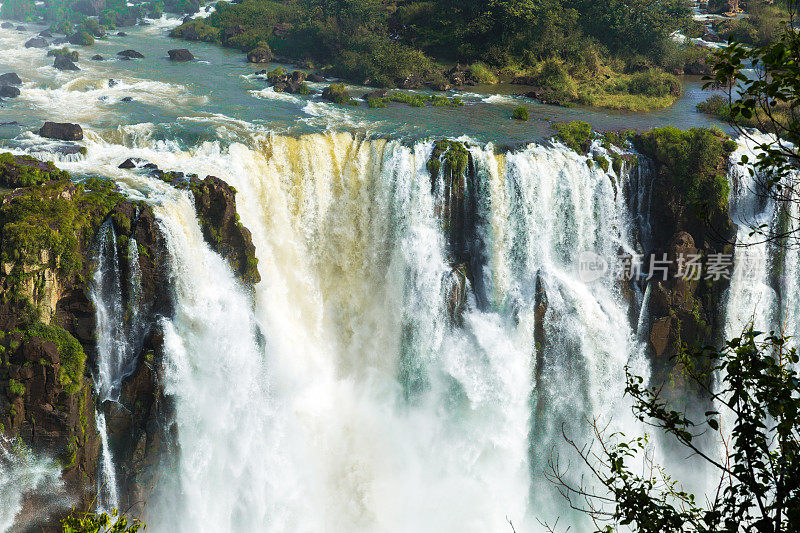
point(10, 79)
point(181, 54)
point(62, 131)
point(7, 26)
point(60, 41)
point(127, 164)
point(441, 86)
point(260, 55)
point(187, 18)
point(122, 34)
point(282, 87)
point(7, 91)
point(316, 78)
point(380, 93)
point(46, 34)
point(336, 93)
point(97, 57)
point(36, 42)
point(282, 29)
point(130, 54)
point(112, 83)
point(524, 80)
point(216, 211)
point(150, 166)
point(71, 55)
point(22, 28)
point(64, 63)
point(712, 38)
point(126, 99)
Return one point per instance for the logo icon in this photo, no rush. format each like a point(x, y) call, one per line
point(591, 267)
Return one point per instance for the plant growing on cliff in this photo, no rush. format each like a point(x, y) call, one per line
point(86, 522)
point(759, 474)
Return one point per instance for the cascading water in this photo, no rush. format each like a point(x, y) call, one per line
point(340, 395)
point(25, 476)
point(119, 332)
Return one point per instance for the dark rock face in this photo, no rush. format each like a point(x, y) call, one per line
point(259, 55)
point(7, 26)
point(62, 62)
point(97, 57)
point(36, 42)
point(10, 79)
point(130, 54)
point(7, 91)
point(316, 78)
point(215, 202)
point(127, 164)
point(62, 131)
point(380, 93)
point(181, 54)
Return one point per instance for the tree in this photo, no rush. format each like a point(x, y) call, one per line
point(763, 91)
point(759, 475)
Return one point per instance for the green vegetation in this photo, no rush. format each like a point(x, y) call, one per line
point(72, 55)
point(453, 154)
point(576, 135)
point(78, 522)
point(70, 353)
point(26, 171)
point(577, 51)
point(761, 27)
point(697, 162)
point(15, 388)
point(521, 113)
point(758, 478)
point(81, 38)
point(415, 100)
point(336, 93)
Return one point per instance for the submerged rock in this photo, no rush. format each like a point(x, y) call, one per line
point(130, 54)
point(126, 99)
point(7, 91)
point(36, 42)
point(97, 57)
point(63, 131)
point(10, 79)
point(181, 54)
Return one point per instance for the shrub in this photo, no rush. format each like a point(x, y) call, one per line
point(336, 93)
point(70, 353)
point(72, 55)
point(481, 73)
point(81, 38)
point(15, 388)
point(655, 83)
point(576, 135)
point(559, 85)
point(521, 113)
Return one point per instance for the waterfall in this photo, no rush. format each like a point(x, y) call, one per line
point(24, 476)
point(120, 331)
point(339, 394)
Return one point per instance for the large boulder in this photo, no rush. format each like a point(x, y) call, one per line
point(336, 93)
point(130, 54)
point(36, 42)
point(7, 91)
point(262, 54)
point(7, 26)
point(181, 54)
point(10, 79)
point(64, 63)
point(62, 131)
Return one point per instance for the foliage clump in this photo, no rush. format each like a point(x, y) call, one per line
point(27, 171)
point(696, 160)
point(70, 354)
point(521, 113)
point(576, 135)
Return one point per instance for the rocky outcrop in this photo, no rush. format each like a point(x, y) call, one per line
point(48, 226)
point(180, 55)
point(61, 131)
point(130, 54)
point(64, 63)
point(8, 91)
point(36, 42)
point(690, 222)
point(215, 202)
point(10, 79)
point(262, 54)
